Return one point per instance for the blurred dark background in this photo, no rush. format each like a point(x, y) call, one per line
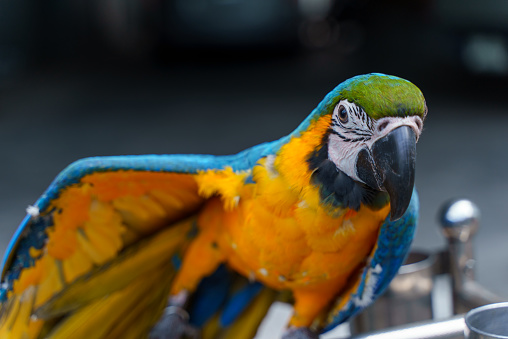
point(107, 77)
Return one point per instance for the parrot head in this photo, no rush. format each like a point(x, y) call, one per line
point(368, 152)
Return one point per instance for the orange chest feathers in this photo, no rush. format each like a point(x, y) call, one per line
point(280, 234)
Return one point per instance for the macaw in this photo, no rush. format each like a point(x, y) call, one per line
point(167, 246)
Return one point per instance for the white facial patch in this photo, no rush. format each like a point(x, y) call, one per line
point(388, 124)
point(353, 130)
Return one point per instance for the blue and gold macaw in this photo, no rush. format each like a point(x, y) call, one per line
point(173, 245)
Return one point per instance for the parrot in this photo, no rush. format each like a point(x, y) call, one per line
point(195, 245)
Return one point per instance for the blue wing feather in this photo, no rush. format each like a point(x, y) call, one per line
point(393, 245)
point(175, 163)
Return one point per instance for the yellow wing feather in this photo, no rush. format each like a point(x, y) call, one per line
point(98, 222)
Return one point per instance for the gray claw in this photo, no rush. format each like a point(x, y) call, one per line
point(174, 324)
point(300, 333)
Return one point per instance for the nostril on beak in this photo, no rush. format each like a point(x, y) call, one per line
point(418, 123)
point(382, 126)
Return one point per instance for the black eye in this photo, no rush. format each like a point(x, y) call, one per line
point(343, 117)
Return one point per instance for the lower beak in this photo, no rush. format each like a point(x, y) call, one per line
point(390, 167)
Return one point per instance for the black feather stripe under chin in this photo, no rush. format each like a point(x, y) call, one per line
point(336, 188)
point(339, 190)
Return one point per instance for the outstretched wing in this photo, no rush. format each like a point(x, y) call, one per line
point(389, 253)
point(101, 229)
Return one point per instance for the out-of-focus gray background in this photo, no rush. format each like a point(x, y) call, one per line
point(109, 77)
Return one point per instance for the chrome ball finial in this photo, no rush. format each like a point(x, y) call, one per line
point(459, 219)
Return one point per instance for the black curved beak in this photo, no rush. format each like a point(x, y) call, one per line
point(390, 167)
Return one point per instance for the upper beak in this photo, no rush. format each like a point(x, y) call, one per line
point(390, 166)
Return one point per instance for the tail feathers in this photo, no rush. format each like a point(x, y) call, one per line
point(246, 324)
point(228, 305)
point(239, 301)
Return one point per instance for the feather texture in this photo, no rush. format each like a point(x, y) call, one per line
point(112, 238)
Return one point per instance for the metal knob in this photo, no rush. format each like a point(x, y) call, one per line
point(459, 222)
point(459, 219)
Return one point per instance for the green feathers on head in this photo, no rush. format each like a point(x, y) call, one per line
point(384, 96)
point(379, 95)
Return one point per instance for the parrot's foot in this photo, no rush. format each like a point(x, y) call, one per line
point(300, 333)
point(174, 324)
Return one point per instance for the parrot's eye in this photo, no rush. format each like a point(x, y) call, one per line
point(343, 114)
